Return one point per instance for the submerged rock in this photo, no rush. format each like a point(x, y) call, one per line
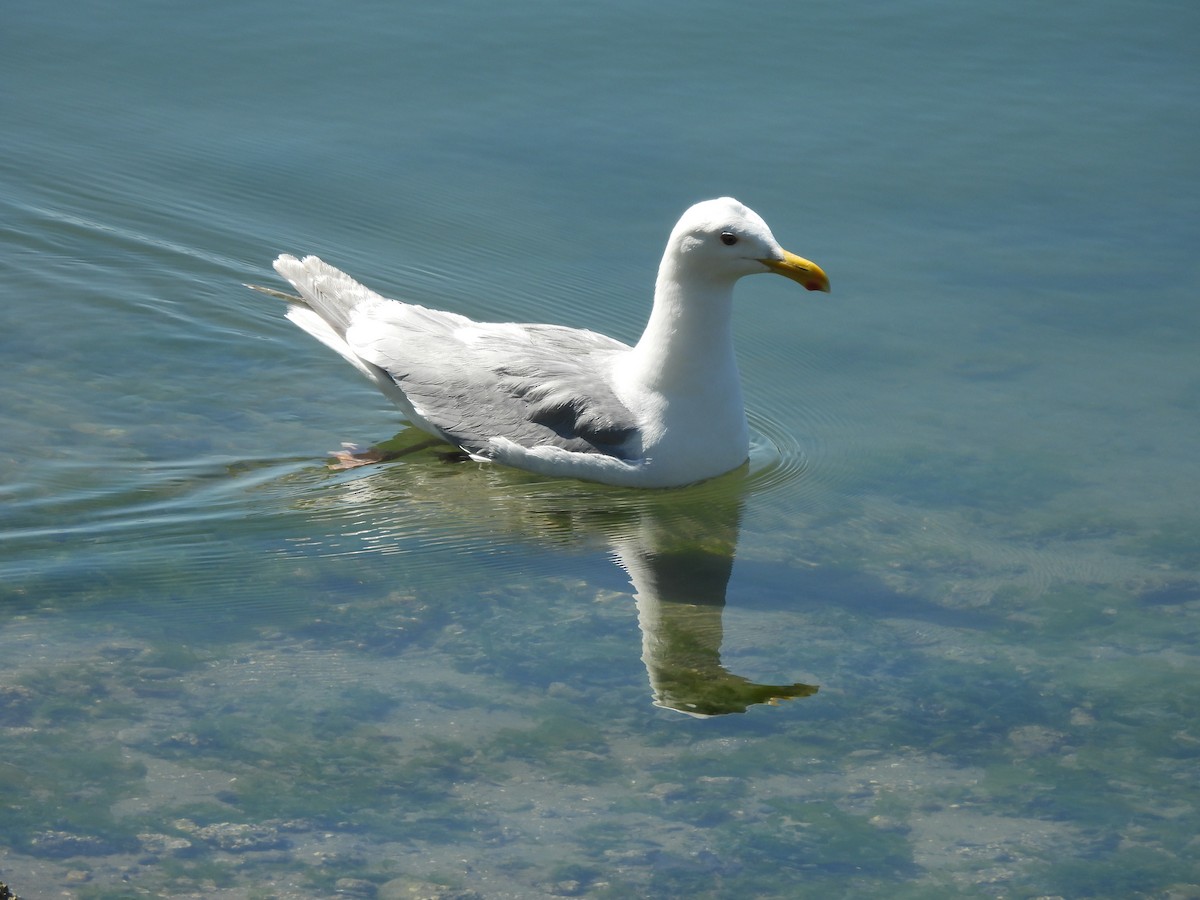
point(355, 887)
point(411, 889)
point(158, 844)
point(235, 837)
point(64, 843)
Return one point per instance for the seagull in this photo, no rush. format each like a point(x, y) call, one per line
point(568, 402)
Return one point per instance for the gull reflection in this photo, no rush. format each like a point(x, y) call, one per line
point(680, 568)
point(677, 547)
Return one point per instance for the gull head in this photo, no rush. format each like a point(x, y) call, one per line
point(723, 240)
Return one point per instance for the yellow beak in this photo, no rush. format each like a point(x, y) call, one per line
point(799, 269)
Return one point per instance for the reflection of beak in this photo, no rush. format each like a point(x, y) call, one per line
point(799, 269)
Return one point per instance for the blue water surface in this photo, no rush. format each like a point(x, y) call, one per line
point(938, 639)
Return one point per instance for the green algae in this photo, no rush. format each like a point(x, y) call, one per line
point(49, 782)
point(1175, 543)
point(1131, 872)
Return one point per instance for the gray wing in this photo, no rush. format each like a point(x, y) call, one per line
point(533, 384)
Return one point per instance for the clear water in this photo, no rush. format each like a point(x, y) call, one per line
point(970, 518)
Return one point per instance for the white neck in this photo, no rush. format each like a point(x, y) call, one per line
point(682, 375)
point(689, 337)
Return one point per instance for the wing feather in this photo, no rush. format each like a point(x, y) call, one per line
point(472, 382)
point(535, 385)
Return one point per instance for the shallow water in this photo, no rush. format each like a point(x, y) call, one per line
point(969, 518)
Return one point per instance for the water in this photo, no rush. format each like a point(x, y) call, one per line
point(969, 518)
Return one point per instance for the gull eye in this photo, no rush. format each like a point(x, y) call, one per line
point(728, 238)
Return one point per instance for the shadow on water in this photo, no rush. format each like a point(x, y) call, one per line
point(676, 546)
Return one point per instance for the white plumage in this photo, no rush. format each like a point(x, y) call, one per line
point(564, 401)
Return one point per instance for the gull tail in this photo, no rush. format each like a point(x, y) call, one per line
point(328, 292)
point(327, 298)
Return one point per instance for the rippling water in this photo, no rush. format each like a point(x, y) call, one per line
point(937, 639)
